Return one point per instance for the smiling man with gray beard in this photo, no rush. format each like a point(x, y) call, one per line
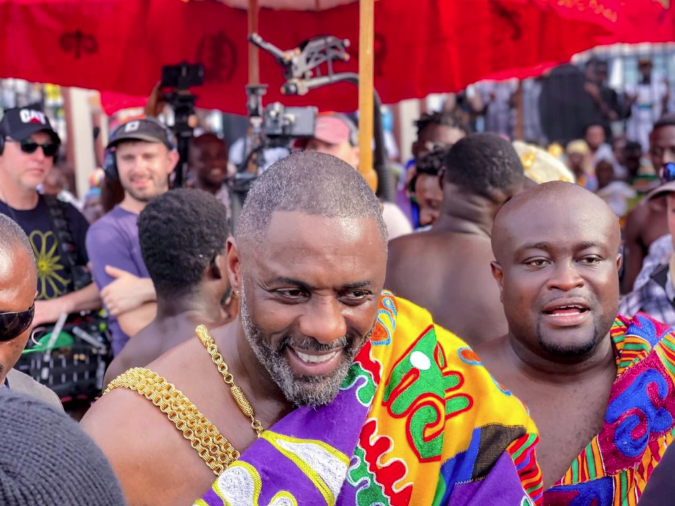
point(319, 367)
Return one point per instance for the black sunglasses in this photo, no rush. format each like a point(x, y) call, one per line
point(667, 173)
point(29, 147)
point(12, 325)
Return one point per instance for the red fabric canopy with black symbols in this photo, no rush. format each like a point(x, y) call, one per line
point(422, 47)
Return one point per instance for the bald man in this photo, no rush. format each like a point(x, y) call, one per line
point(599, 386)
point(18, 279)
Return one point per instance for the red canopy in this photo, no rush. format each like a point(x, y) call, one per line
point(645, 21)
point(421, 47)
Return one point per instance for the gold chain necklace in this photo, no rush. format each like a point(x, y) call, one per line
point(237, 393)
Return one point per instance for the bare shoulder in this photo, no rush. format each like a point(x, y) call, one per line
point(134, 435)
point(132, 355)
point(637, 217)
point(401, 245)
point(143, 446)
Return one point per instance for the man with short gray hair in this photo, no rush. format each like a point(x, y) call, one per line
point(321, 375)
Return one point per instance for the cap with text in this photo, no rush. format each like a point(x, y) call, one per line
point(19, 123)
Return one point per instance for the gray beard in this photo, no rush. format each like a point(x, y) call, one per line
point(306, 390)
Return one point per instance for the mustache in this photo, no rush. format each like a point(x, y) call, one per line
point(309, 343)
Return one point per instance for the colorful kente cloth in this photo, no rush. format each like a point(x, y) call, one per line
point(614, 468)
point(417, 421)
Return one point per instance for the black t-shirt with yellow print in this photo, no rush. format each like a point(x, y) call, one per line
point(54, 277)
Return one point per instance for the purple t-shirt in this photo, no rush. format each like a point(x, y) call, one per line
point(113, 240)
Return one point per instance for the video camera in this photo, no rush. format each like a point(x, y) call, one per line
point(277, 125)
point(289, 122)
point(179, 79)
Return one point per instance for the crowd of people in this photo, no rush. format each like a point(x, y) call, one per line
point(502, 334)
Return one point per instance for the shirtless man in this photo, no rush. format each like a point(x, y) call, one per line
point(182, 234)
point(647, 222)
point(445, 270)
point(309, 260)
point(557, 261)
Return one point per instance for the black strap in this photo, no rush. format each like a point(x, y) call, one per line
point(64, 237)
point(660, 275)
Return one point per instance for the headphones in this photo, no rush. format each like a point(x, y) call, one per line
point(110, 161)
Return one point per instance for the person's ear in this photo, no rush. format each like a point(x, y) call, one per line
point(233, 263)
point(357, 155)
point(416, 146)
point(619, 262)
point(498, 274)
point(217, 269)
point(441, 177)
point(174, 158)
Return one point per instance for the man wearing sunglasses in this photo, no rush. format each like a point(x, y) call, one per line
point(28, 146)
point(18, 278)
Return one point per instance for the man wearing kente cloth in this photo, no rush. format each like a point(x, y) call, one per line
point(333, 392)
point(600, 387)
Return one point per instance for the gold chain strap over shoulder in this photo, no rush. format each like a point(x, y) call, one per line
point(237, 393)
point(212, 446)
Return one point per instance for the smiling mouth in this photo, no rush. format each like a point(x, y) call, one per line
point(566, 310)
point(315, 359)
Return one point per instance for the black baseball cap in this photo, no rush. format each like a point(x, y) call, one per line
point(148, 130)
point(19, 123)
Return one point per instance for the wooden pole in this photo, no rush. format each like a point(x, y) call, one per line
point(366, 76)
point(253, 54)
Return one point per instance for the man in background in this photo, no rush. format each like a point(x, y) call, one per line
point(209, 166)
point(647, 222)
point(56, 230)
point(426, 187)
point(436, 129)
point(648, 101)
point(446, 270)
point(335, 134)
point(144, 156)
point(187, 267)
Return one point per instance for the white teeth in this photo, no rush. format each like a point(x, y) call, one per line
point(314, 359)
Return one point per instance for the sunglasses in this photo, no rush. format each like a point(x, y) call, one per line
point(12, 325)
point(667, 173)
point(29, 147)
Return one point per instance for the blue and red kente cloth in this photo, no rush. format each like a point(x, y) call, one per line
point(639, 421)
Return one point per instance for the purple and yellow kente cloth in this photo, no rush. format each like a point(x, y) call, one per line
point(639, 421)
point(418, 420)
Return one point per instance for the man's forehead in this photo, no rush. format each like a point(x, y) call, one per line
point(138, 146)
point(664, 135)
point(318, 249)
point(564, 221)
point(39, 136)
point(16, 267)
point(296, 227)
